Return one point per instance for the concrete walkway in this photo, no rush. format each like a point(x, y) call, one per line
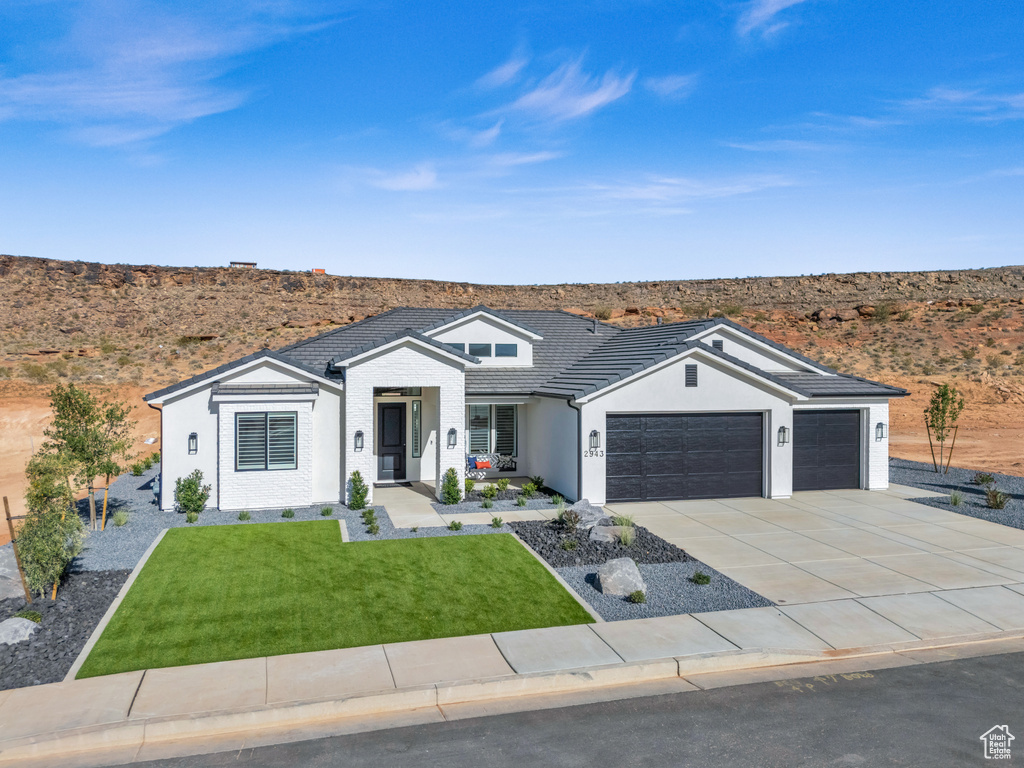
point(823, 546)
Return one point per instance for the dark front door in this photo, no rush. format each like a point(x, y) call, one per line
point(391, 450)
point(826, 450)
point(683, 456)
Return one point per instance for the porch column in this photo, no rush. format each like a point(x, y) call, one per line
point(359, 417)
point(451, 415)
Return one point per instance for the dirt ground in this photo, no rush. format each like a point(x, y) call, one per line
point(22, 421)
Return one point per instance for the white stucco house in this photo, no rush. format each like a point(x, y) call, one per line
point(701, 409)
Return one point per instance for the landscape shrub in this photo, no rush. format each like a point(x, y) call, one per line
point(414, 528)
point(455, 525)
point(956, 498)
point(497, 522)
point(521, 501)
point(627, 536)
point(502, 484)
point(156, 457)
point(31, 615)
point(470, 485)
point(637, 596)
point(528, 491)
point(148, 462)
point(357, 491)
point(244, 515)
point(700, 578)
point(983, 478)
point(50, 536)
point(288, 513)
point(489, 491)
point(996, 499)
point(190, 495)
point(557, 500)
point(326, 511)
point(487, 504)
point(538, 481)
point(191, 517)
point(569, 544)
point(570, 519)
point(450, 492)
point(138, 468)
point(120, 518)
point(623, 519)
point(373, 529)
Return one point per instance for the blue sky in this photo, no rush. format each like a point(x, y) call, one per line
point(517, 142)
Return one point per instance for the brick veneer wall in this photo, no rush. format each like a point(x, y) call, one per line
point(272, 488)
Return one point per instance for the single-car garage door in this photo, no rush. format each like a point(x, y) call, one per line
point(683, 456)
point(826, 450)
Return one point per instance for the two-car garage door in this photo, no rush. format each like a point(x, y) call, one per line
point(683, 456)
point(721, 455)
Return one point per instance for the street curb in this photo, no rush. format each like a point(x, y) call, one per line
point(121, 742)
point(112, 609)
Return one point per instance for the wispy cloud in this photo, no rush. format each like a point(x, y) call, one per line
point(513, 159)
point(780, 145)
point(133, 72)
point(970, 103)
point(665, 189)
point(506, 73)
point(569, 93)
point(473, 137)
point(671, 86)
point(422, 177)
point(760, 16)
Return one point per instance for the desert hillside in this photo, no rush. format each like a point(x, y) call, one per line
point(128, 329)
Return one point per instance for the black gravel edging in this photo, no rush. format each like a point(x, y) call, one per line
point(67, 623)
point(923, 475)
point(669, 592)
point(546, 537)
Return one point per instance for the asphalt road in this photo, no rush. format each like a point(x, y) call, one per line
point(926, 715)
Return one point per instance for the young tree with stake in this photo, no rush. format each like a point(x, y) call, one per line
point(940, 419)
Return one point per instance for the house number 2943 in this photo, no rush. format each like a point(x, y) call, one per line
point(593, 454)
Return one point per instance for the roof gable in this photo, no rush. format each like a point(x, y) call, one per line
point(482, 311)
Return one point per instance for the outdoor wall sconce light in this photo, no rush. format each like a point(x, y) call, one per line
point(359, 440)
point(881, 430)
point(783, 435)
point(595, 439)
point(453, 437)
point(193, 444)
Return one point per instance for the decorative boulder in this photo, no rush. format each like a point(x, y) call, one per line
point(620, 577)
point(589, 514)
point(16, 630)
point(606, 534)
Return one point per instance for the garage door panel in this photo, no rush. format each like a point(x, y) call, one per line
point(826, 450)
point(624, 422)
point(623, 464)
point(684, 456)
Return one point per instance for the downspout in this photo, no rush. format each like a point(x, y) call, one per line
point(160, 501)
point(579, 448)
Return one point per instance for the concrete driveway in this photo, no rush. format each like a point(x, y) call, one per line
point(833, 545)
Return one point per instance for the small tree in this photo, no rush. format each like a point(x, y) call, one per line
point(49, 539)
point(190, 495)
point(91, 434)
point(450, 491)
point(357, 491)
point(940, 419)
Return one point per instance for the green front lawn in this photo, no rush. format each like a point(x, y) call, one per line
point(233, 592)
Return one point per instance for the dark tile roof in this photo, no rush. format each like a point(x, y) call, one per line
point(228, 367)
point(406, 334)
point(576, 356)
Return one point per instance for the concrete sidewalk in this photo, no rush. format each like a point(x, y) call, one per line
point(227, 705)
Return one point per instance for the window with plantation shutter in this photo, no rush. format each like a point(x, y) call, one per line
point(505, 430)
point(266, 441)
point(479, 428)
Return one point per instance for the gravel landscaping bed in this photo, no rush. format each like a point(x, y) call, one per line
point(48, 654)
point(669, 592)
point(923, 475)
point(357, 529)
point(546, 540)
point(503, 505)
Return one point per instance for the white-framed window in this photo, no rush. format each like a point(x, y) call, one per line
point(266, 441)
point(492, 429)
